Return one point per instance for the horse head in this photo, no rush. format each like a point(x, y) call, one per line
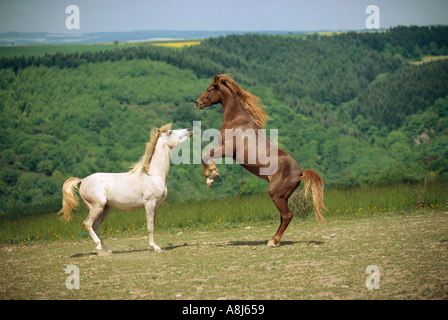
point(211, 96)
point(173, 138)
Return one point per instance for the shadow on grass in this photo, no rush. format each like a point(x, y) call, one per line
point(130, 250)
point(265, 242)
point(230, 243)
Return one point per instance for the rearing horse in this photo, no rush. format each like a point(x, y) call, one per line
point(242, 119)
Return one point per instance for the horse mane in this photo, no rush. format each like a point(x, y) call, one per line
point(145, 160)
point(251, 103)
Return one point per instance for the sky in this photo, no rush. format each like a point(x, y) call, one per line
point(215, 15)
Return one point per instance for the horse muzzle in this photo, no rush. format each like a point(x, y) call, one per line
point(199, 104)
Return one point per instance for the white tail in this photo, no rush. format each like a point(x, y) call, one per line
point(70, 201)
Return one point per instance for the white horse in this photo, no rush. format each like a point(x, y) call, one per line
point(143, 186)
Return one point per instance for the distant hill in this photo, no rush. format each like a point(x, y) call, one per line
point(36, 38)
point(46, 38)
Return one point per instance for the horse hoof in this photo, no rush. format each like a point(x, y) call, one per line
point(103, 253)
point(215, 177)
point(271, 244)
point(209, 182)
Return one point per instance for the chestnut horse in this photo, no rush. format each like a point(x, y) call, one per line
point(242, 113)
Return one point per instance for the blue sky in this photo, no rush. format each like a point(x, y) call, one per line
point(212, 15)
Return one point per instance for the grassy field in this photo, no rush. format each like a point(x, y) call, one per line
point(229, 213)
point(217, 249)
point(429, 59)
point(178, 44)
point(313, 262)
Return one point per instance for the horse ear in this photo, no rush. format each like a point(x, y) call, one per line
point(215, 79)
point(158, 131)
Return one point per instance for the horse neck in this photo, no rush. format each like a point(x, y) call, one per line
point(231, 106)
point(160, 161)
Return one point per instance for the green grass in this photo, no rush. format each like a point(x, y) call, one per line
point(399, 198)
point(170, 218)
point(358, 203)
point(312, 262)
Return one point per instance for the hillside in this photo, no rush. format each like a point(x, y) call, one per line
point(353, 113)
point(410, 90)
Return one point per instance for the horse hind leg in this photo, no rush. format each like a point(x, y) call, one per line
point(96, 226)
point(280, 194)
point(286, 216)
point(95, 211)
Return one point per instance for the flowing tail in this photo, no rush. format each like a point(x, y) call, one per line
point(70, 201)
point(318, 192)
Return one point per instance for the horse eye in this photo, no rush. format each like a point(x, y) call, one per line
point(171, 131)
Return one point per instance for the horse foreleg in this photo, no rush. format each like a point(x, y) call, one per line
point(208, 179)
point(151, 210)
point(214, 171)
point(212, 175)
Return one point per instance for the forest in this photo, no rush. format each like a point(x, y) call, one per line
point(350, 106)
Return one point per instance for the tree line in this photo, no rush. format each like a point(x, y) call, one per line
point(354, 114)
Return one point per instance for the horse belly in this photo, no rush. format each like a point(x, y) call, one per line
point(255, 170)
point(123, 205)
point(125, 200)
